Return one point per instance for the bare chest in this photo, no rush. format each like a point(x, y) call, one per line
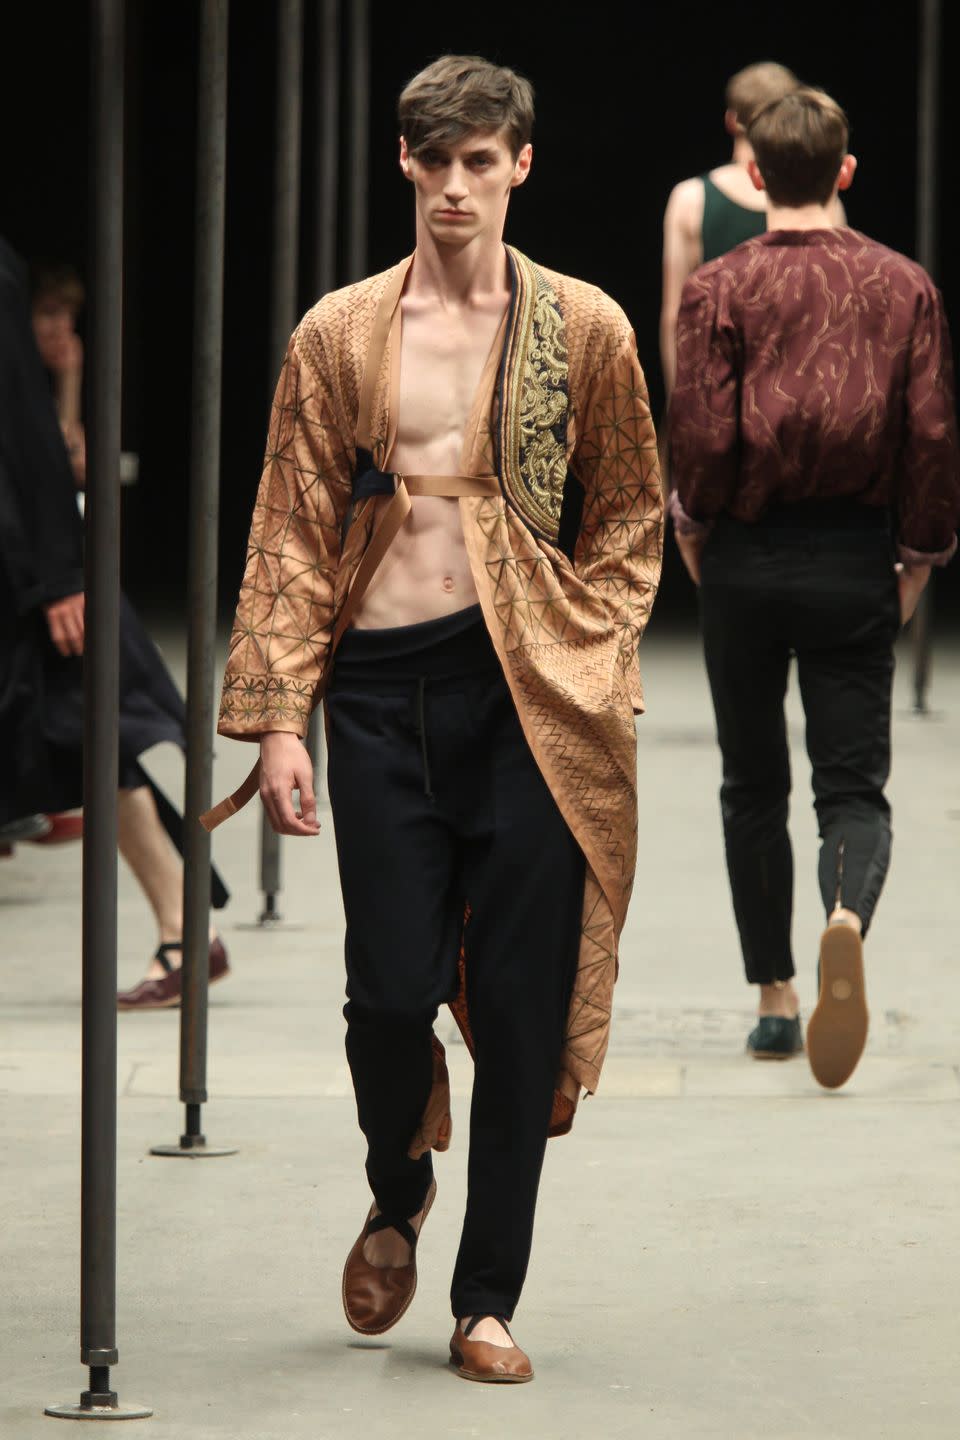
point(442, 361)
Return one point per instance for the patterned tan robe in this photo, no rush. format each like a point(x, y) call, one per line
point(562, 406)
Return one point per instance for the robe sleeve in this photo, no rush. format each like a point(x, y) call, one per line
point(928, 493)
point(281, 636)
point(620, 547)
point(704, 409)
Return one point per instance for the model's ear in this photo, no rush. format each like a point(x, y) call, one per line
point(848, 168)
point(753, 170)
point(522, 167)
point(405, 157)
point(731, 124)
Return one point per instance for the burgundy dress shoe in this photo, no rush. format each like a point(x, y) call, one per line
point(164, 992)
point(63, 829)
point(376, 1296)
point(490, 1364)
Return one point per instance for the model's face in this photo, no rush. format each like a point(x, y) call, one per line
point(463, 189)
point(53, 324)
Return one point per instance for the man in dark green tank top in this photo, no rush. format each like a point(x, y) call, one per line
point(710, 214)
point(726, 223)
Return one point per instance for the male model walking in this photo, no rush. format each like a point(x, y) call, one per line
point(814, 452)
point(458, 538)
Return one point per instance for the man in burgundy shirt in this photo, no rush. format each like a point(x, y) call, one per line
point(814, 454)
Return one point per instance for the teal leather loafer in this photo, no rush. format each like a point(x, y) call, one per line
point(775, 1038)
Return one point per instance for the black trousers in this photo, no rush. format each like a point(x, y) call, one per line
point(438, 804)
point(819, 585)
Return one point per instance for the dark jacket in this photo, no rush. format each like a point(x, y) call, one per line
point(41, 560)
point(41, 556)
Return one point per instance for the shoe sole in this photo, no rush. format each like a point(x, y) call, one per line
point(776, 1054)
point(837, 1029)
point(174, 1000)
point(382, 1329)
point(488, 1379)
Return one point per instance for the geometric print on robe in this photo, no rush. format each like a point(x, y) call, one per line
point(567, 633)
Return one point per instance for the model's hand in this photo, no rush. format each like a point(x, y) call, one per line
point(691, 550)
point(911, 582)
point(76, 442)
point(65, 622)
point(285, 766)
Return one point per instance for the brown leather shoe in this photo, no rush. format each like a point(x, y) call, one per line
point(491, 1364)
point(376, 1296)
point(164, 993)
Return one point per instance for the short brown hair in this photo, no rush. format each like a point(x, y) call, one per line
point(460, 93)
point(750, 89)
point(800, 142)
point(55, 283)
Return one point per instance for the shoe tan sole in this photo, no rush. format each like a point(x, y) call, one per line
point(382, 1329)
point(775, 1054)
point(487, 1379)
point(837, 1029)
point(174, 1000)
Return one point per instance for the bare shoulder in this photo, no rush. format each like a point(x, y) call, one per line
point(685, 208)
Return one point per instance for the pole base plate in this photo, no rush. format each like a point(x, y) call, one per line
point(203, 1151)
point(98, 1412)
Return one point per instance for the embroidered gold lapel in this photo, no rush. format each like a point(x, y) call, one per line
point(533, 399)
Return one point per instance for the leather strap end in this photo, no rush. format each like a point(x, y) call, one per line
point(210, 819)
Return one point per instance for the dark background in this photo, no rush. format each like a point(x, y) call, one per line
point(629, 100)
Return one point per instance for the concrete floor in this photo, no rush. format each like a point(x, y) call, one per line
point(723, 1250)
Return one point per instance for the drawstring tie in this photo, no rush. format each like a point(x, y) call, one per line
point(422, 732)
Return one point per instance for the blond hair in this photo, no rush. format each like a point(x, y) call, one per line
point(751, 89)
point(460, 93)
point(799, 143)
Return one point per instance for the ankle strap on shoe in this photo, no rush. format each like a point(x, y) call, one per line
point(386, 1222)
point(161, 954)
point(475, 1321)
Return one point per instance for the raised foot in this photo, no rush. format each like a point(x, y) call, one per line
point(837, 1029)
point(375, 1296)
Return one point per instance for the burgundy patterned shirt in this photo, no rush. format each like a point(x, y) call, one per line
point(816, 364)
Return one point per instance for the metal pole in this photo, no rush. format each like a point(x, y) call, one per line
point(98, 1204)
point(328, 147)
point(928, 217)
point(325, 231)
point(283, 306)
point(209, 211)
point(359, 138)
